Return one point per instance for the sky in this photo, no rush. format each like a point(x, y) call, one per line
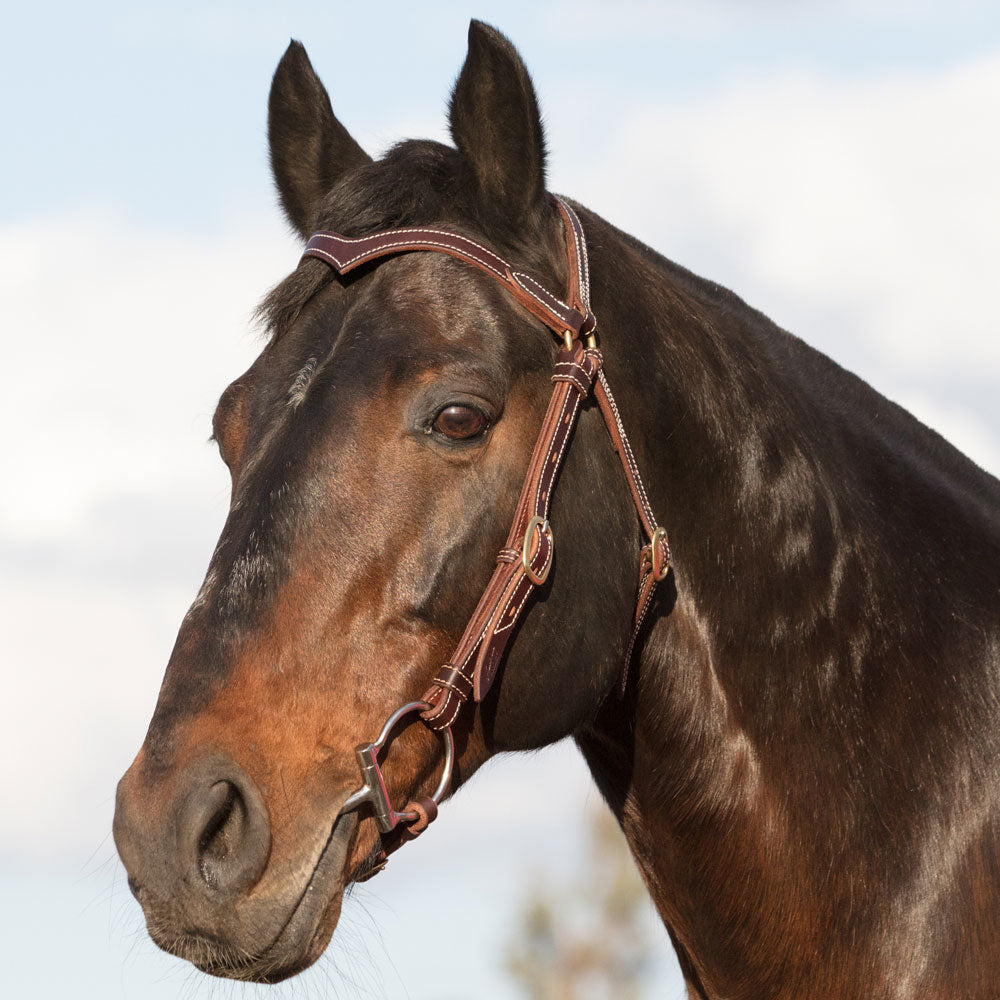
point(837, 165)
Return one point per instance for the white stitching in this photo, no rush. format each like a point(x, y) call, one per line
point(451, 687)
point(486, 625)
point(635, 631)
point(437, 723)
point(548, 456)
point(326, 234)
point(582, 262)
point(541, 288)
point(380, 249)
point(454, 713)
point(455, 687)
point(574, 367)
point(575, 406)
point(580, 275)
point(572, 417)
point(475, 645)
point(482, 632)
point(553, 307)
point(572, 378)
point(629, 457)
point(434, 722)
point(577, 373)
point(517, 612)
point(312, 251)
point(584, 258)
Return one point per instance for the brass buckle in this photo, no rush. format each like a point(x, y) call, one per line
point(543, 574)
point(658, 536)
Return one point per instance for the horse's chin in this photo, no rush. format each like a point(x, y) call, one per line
point(311, 920)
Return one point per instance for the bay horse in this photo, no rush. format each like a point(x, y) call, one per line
point(803, 746)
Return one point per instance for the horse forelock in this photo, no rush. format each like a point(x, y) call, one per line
point(417, 183)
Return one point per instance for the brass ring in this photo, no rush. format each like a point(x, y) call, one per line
point(543, 574)
point(660, 535)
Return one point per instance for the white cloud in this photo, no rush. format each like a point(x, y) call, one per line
point(119, 341)
point(864, 217)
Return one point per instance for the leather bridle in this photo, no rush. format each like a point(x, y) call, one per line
point(526, 558)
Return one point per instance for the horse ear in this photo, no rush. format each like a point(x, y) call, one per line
point(496, 126)
point(310, 149)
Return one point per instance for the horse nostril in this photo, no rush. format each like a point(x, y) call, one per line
point(226, 828)
point(223, 834)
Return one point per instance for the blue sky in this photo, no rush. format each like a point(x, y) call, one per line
point(158, 109)
point(838, 165)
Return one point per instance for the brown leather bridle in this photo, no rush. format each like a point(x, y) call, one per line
point(526, 558)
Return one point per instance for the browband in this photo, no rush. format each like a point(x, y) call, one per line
point(346, 253)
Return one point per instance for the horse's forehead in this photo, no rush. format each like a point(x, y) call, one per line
point(435, 299)
point(413, 305)
point(411, 317)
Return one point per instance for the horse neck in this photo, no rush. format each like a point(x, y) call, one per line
point(780, 630)
point(734, 446)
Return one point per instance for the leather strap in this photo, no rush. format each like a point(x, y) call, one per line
point(654, 557)
point(524, 561)
point(345, 254)
point(526, 558)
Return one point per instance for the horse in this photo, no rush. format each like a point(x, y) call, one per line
point(794, 714)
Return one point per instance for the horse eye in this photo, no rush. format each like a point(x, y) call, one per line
point(461, 422)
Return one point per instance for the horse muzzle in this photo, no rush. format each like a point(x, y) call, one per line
point(196, 846)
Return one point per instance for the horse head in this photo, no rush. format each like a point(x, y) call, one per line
point(377, 447)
